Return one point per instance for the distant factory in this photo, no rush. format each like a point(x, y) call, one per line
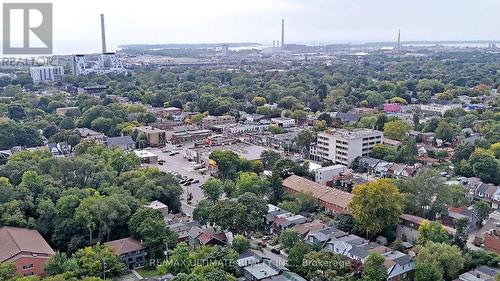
point(277, 48)
point(107, 62)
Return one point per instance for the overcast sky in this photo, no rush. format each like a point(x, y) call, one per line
point(76, 23)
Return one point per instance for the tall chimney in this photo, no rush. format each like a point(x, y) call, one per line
point(399, 41)
point(282, 33)
point(103, 34)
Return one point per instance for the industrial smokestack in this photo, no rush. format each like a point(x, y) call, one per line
point(399, 41)
point(282, 33)
point(103, 34)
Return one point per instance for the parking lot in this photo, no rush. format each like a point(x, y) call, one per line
point(177, 163)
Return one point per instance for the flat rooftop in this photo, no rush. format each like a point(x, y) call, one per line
point(355, 133)
point(247, 151)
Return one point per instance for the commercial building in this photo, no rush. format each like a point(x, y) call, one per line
point(190, 136)
point(324, 175)
point(146, 157)
point(26, 248)
point(283, 122)
point(46, 73)
point(154, 136)
point(210, 121)
point(342, 146)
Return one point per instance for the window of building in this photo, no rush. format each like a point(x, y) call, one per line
point(27, 266)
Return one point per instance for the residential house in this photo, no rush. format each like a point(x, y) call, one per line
point(323, 236)
point(332, 200)
point(205, 236)
point(487, 236)
point(182, 229)
point(91, 135)
point(26, 248)
point(399, 265)
point(157, 205)
point(346, 181)
point(304, 228)
point(122, 142)
point(60, 148)
point(407, 228)
point(456, 213)
point(482, 273)
point(281, 224)
point(347, 117)
point(131, 252)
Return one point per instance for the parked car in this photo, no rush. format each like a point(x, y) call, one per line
point(195, 181)
point(172, 154)
point(261, 243)
point(165, 151)
point(179, 145)
point(187, 183)
point(275, 251)
point(161, 161)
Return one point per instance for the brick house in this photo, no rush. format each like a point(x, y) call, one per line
point(332, 200)
point(26, 248)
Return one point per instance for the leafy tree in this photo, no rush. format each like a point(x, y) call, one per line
point(485, 166)
point(296, 256)
point(396, 129)
point(7, 270)
point(91, 261)
point(60, 263)
point(374, 269)
point(447, 259)
point(304, 139)
point(269, 158)
point(178, 261)
point(376, 205)
point(275, 184)
point(213, 189)
point(476, 258)
point(427, 272)
point(259, 101)
point(289, 238)
point(324, 265)
point(432, 231)
point(148, 225)
point(483, 210)
point(227, 163)
point(240, 244)
point(445, 131)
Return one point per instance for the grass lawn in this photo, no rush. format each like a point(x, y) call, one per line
point(148, 273)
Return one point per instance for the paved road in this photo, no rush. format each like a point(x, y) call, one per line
point(181, 165)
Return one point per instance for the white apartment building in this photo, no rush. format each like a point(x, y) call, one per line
point(283, 122)
point(46, 73)
point(438, 108)
point(341, 146)
point(326, 174)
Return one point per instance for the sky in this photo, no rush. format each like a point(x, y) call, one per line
point(77, 24)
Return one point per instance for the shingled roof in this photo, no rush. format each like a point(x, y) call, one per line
point(16, 240)
point(125, 245)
